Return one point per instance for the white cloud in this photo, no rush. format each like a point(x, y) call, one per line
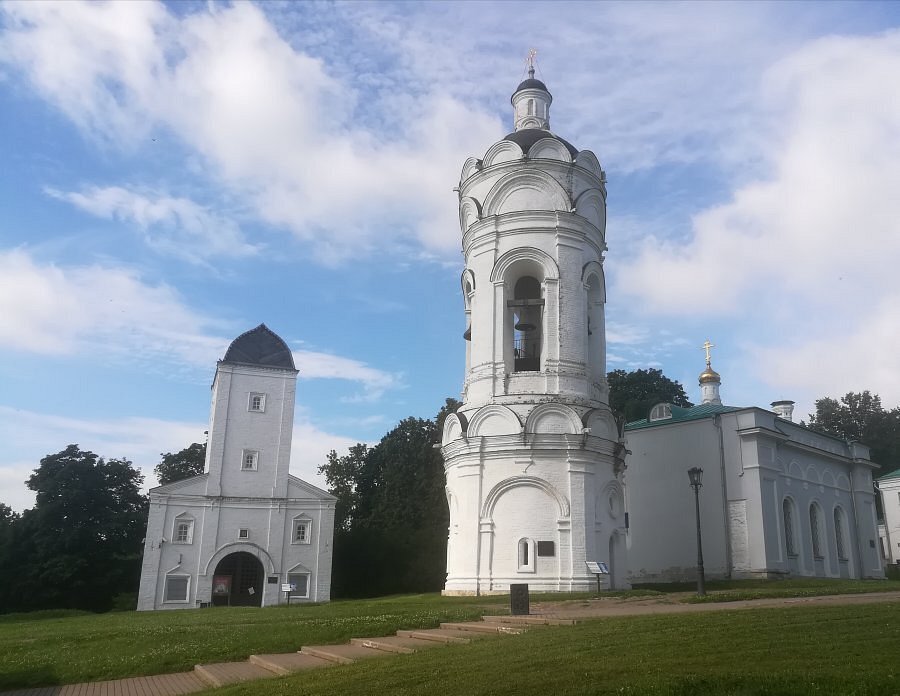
point(625, 334)
point(31, 436)
point(267, 119)
point(172, 225)
point(803, 261)
point(310, 447)
point(54, 310)
point(315, 365)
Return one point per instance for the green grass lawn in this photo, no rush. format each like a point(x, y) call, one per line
point(795, 651)
point(738, 590)
point(49, 648)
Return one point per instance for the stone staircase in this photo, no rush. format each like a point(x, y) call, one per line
point(309, 657)
point(404, 642)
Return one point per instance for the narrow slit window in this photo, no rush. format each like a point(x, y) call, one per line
point(789, 528)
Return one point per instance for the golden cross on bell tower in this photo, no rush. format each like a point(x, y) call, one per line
point(706, 346)
point(529, 61)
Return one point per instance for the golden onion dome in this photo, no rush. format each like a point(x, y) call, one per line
point(709, 375)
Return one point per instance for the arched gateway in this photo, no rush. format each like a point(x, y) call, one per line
point(238, 581)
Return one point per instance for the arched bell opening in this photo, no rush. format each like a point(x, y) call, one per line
point(526, 313)
point(596, 330)
point(238, 581)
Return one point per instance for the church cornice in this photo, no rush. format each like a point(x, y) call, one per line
point(540, 163)
point(488, 447)
point(250, 368)
point(563, 224)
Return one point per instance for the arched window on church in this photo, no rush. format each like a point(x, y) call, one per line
point(527, 320)
point(531, 107)
point(661, 412)
point(788, 510)
point(816, 530)
point(839, 534)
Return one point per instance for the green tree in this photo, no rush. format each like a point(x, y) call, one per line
point(861, 417)
point(181, 465)
point(9, 520)
point(8, 516)
point(392, 517)
point(343, 475)
point(80, 545)
point(633, 394)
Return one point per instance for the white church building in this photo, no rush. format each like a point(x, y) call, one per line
point(245, 532)
point(889, 530)
point(533, 457)
point(777, 499)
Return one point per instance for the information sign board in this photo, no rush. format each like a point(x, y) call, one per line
point(221, 584)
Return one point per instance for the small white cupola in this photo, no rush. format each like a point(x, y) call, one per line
point(784, 409)
point(710, 381)
point(531, 101)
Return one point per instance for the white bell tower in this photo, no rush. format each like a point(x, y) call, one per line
point(533, 457)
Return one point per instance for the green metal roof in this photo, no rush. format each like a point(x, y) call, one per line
point(681, 415)
point(895, 474)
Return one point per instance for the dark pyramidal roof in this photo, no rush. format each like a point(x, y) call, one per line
point(260, 346)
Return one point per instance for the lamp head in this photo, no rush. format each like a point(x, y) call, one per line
point(696, 476)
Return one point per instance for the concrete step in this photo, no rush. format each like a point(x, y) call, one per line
point(533, 620)
point(342, 654)
point(222, 673)
point(288, 663)
point(395, 644)
point(484, 627)
point(439, 635)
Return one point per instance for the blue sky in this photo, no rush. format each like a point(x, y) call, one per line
point(177, 174)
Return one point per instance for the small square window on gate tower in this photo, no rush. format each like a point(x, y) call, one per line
point(256, 402)
point(243, 533)
point(249, 460)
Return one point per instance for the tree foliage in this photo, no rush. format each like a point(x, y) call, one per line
point(343, 476)
point(80, 545)
point(861, 417)
point(633, 394)
point(391, 516)
point(190, 461)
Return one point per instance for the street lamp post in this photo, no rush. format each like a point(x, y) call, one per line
point(696, 475)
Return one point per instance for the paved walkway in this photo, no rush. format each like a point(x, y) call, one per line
point(409, 641)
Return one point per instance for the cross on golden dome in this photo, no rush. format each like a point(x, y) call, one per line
point(706, 346)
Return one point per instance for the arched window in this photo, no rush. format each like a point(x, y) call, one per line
point(525, 554)
point(661, 412)
point(839, 534)
point(531, 107)
point(788, 510)
point(527, 310)
point(815, 530)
